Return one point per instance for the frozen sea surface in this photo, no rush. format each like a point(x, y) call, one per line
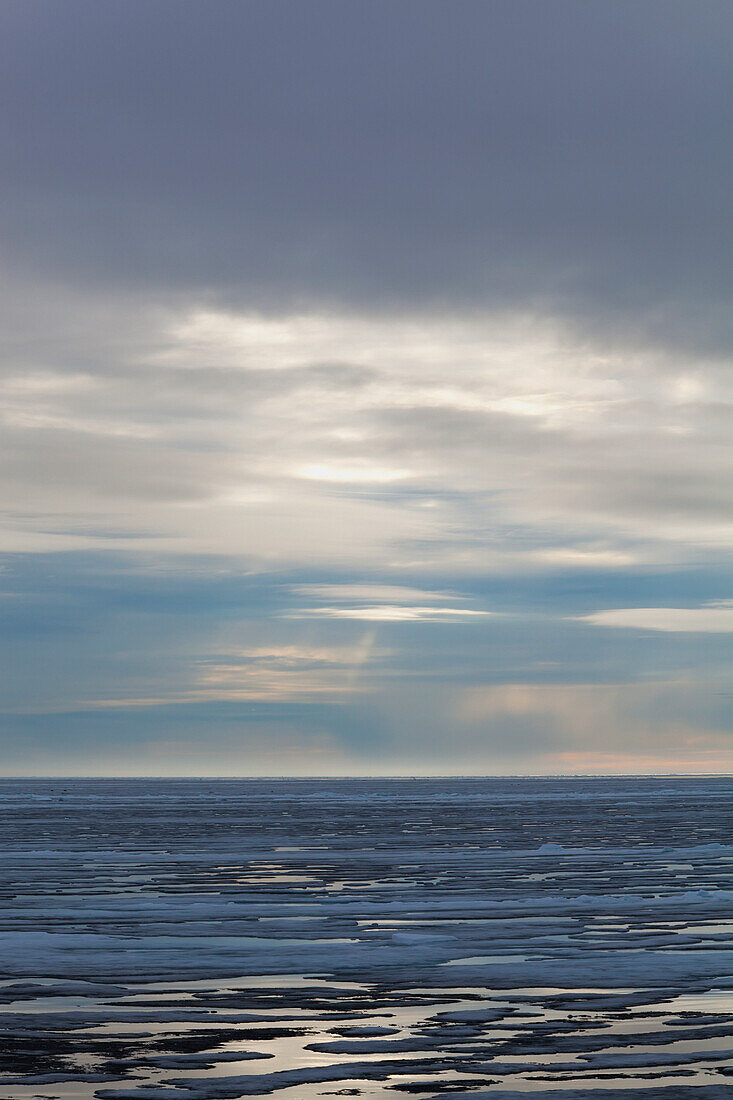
point(183, 940)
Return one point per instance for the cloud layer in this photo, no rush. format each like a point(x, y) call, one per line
point(363, 366)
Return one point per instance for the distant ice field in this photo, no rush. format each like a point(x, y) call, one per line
point(196, 939)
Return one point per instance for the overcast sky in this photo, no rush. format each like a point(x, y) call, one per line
point(366, 386)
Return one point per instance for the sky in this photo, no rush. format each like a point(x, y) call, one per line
point(366, 400)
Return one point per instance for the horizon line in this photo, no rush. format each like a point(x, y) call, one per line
point(455, 775)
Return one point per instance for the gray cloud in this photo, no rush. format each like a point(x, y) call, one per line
point(573, 156)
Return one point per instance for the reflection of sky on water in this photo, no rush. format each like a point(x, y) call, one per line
point(503, 941)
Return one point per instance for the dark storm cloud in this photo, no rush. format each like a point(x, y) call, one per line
point(570, 154)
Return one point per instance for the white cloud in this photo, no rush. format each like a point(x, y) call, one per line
point(382, 603)
point(388, 613)
point(269, 674)
point(573, 557)
point(353, 473)
point(374, 593)
point(711, 618)
point(423, 442)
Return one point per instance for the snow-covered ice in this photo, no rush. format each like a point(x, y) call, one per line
point(193, 939)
